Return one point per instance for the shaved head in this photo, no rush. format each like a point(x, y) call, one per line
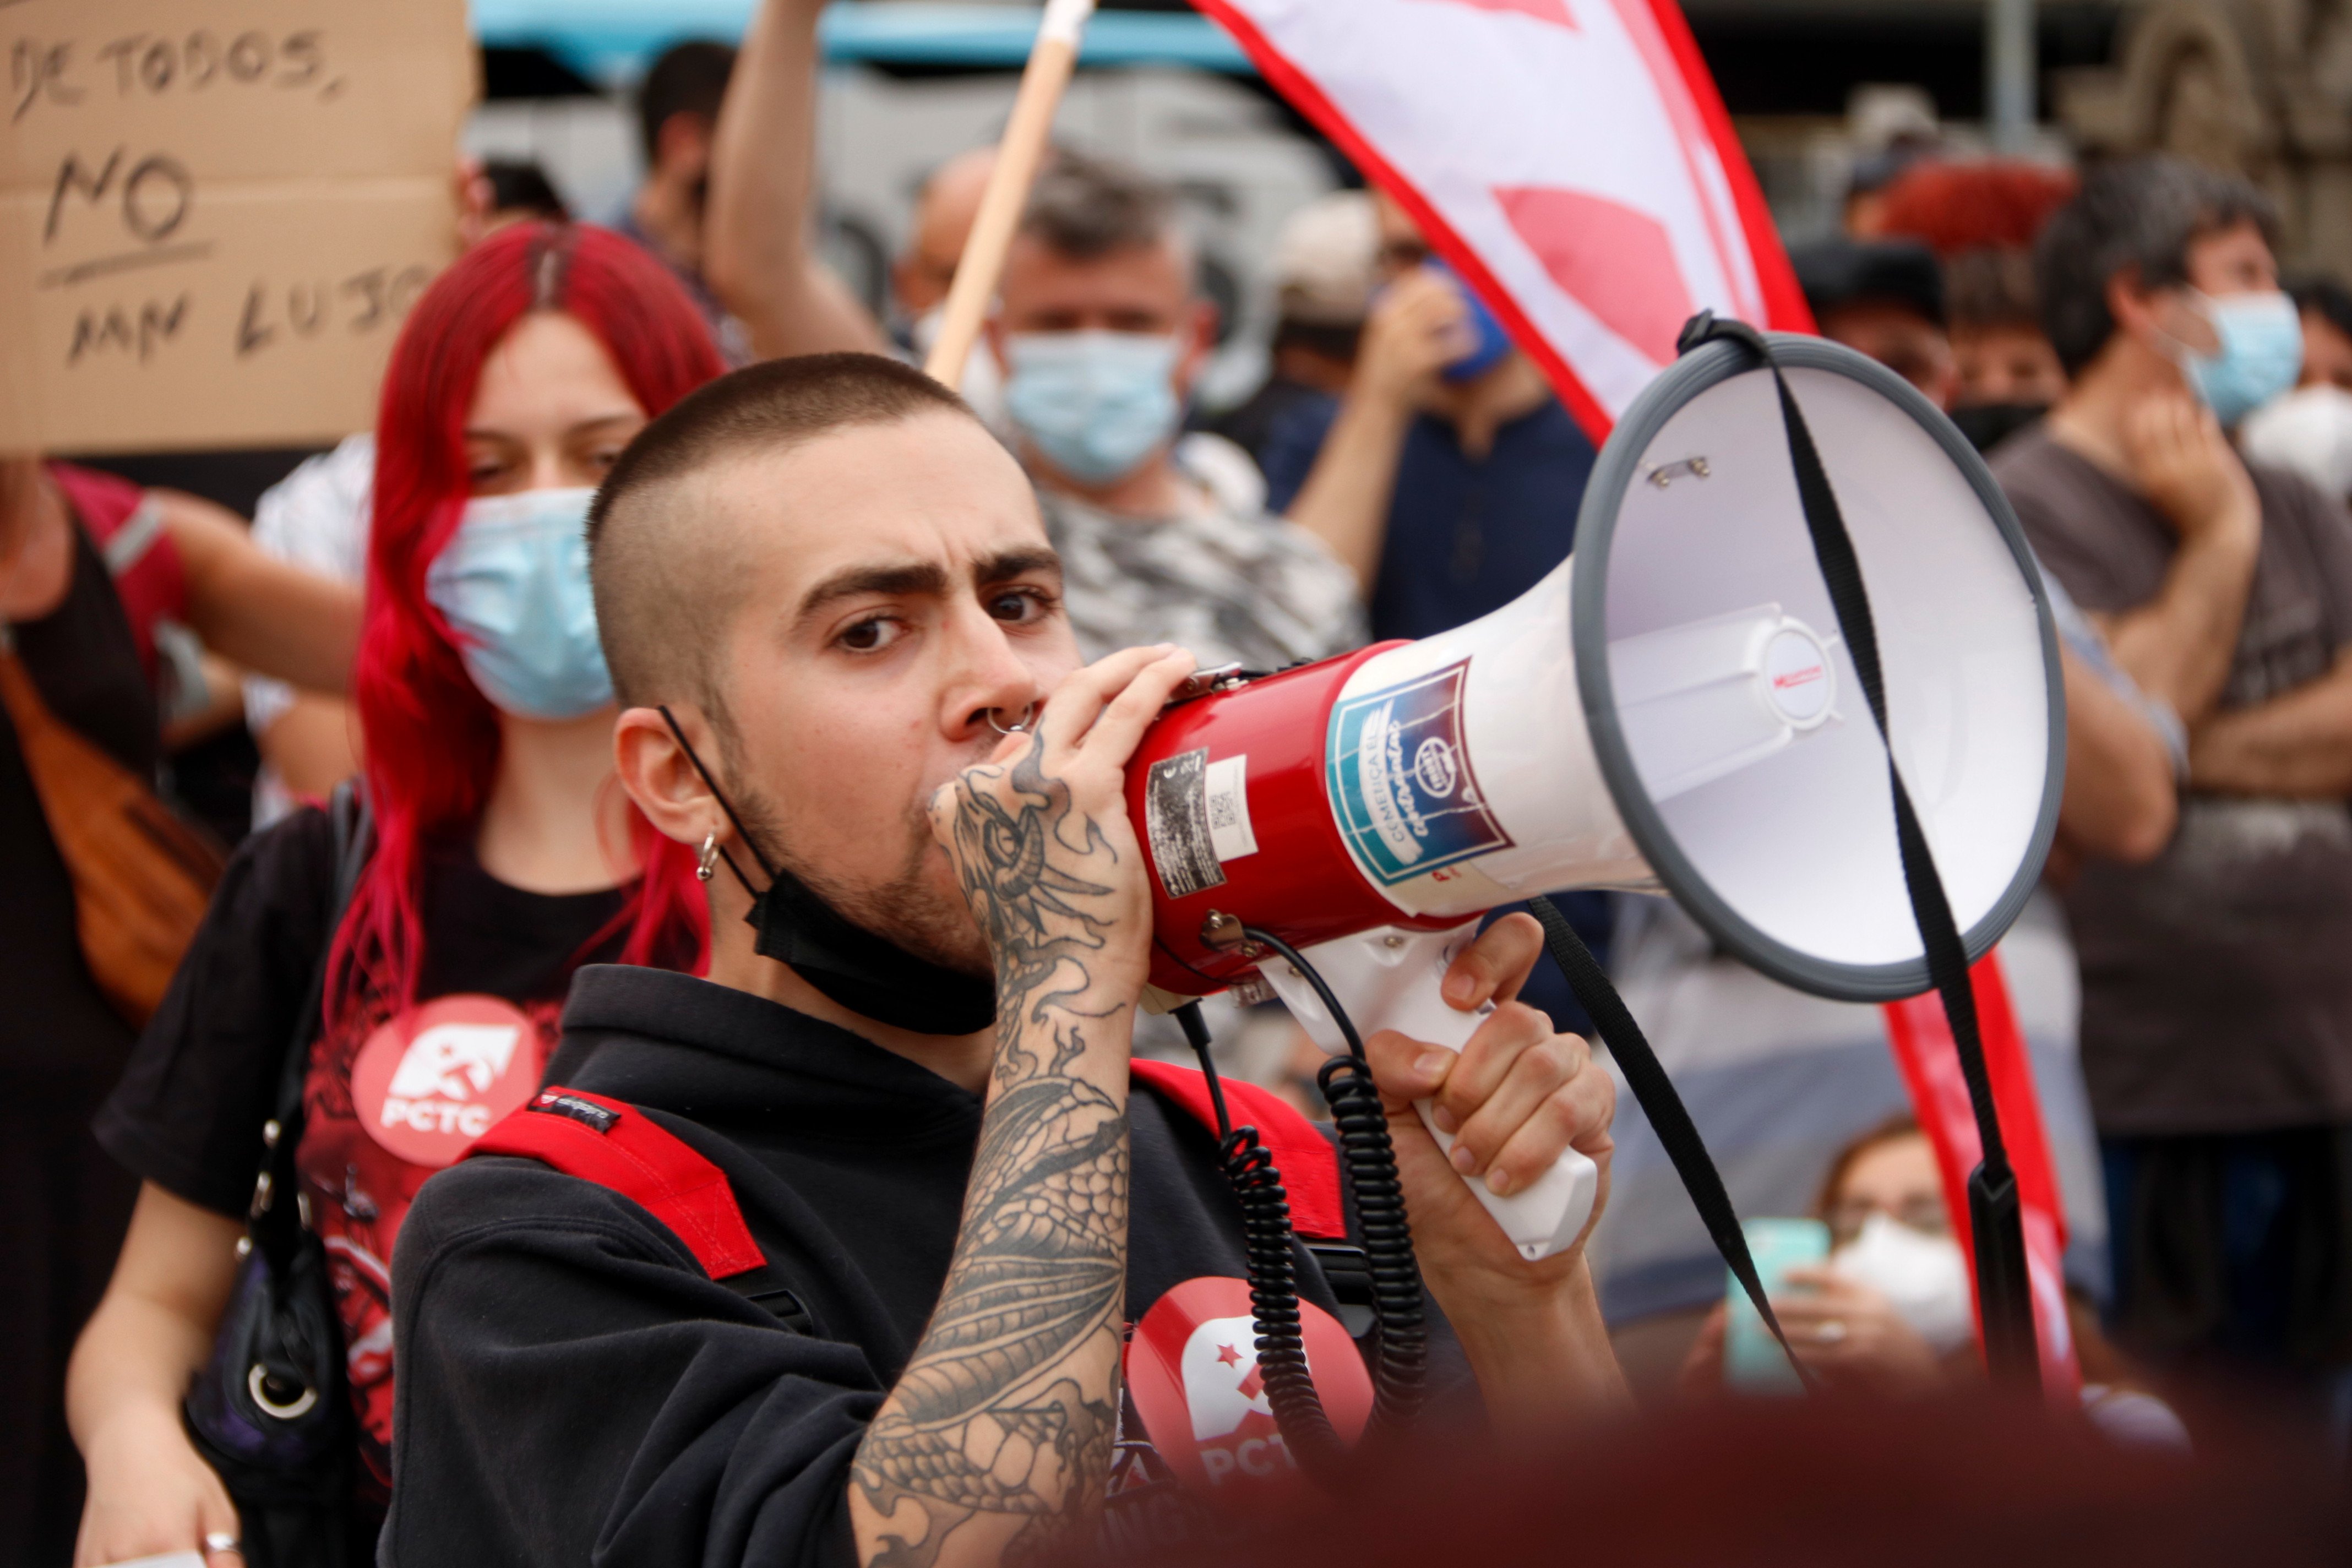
point(662, 543)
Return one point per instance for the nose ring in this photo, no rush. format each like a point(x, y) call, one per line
point(1028, 717)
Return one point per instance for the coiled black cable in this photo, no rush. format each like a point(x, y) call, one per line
point(1250, 1170)
point(1401, 1367)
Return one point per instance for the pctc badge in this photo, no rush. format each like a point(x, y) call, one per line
point(430, 1081)
point(1192, 1367)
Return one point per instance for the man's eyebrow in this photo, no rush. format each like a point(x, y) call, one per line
point(1007, 565)
point(911, 577)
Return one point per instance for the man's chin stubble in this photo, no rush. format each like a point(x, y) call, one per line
point(907, 910)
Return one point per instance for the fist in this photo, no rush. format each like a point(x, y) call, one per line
point(1039, 839)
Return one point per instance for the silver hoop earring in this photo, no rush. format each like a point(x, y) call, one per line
point(709, 861)
point(1028, 717)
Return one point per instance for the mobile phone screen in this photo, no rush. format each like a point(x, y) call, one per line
point(1753, 1361)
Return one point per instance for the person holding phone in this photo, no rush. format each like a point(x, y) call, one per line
point(1888, 1308)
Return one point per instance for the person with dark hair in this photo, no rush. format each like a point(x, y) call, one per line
point(678, 104)
point(520, 187)
point(1100, 331)
point(1448, 476)
point(2325, 306)
point(2217, 1006)
point(1882, 297)
point(2009, 374)
point(871, 1306)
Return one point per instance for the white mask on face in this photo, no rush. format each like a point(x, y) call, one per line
point(1925, 1278)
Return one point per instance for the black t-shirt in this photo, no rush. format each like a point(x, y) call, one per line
point(188, 1112)
point(389, 1097)
point(574, 1388)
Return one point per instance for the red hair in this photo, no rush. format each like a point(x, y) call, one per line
point(1955, 207)
point(431, 737)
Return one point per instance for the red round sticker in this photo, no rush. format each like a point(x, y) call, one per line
point(435, 1079)
point(1193, 1368)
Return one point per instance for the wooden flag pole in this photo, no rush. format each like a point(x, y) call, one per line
point(1026, 135)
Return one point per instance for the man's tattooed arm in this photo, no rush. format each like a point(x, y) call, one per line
point(997, 1440)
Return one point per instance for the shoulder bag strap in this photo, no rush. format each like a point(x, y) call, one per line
point(274, 1227)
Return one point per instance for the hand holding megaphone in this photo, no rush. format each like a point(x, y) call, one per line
point(1674, 709)
point(1391, 978)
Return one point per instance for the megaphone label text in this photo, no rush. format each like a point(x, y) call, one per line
point(1196, 814)
point(1402, 782)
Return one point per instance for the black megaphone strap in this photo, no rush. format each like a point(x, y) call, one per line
point(2004, 1293)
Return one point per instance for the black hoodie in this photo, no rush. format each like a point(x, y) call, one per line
point(573, 1388)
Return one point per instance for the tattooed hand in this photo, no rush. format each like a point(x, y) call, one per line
point(1041, 843)
point(996, 1440)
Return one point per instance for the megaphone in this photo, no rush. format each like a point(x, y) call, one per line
point(1674, 709)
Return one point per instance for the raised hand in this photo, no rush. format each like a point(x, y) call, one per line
point(2183, 463)
point(1419, 325)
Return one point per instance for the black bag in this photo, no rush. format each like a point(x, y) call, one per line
point(270, 1412)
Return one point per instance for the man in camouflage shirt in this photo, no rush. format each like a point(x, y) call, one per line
point(1100, 334)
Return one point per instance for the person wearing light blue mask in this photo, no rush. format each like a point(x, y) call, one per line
point(2257, 352)
point(513, 584)
point(504, 857)
point(2224, 587)
point(1100, 334)
point(1094, 404)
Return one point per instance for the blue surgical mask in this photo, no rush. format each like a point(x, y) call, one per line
point(1094, 404)
point(512, 583)
point(1493, 342)
point(2260, 353)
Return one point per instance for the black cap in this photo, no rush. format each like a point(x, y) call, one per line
point(1834, 272)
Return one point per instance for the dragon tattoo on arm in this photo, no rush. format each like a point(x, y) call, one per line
point(998, 1437)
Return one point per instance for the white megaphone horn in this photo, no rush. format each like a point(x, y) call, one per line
point(1671, 709)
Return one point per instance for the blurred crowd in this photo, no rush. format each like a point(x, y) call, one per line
point(2169, 420)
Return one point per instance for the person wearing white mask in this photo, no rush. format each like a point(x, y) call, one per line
point(1100, 333)
point(1891, 1311)
point(2217, 1006)
point(2309, 431)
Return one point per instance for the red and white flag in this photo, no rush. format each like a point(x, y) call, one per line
point(1570, 158)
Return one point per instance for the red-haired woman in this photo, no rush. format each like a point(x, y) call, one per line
point(506, 856)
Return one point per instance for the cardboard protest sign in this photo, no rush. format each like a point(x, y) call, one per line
point(212, 216)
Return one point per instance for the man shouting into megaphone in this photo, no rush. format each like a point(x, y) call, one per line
point(829, 1256)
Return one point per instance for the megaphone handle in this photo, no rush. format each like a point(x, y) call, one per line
point(1542, 1218)
point(1390, 979)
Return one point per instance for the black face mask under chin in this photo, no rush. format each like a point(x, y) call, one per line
point(868, 974)
point(1988, 425)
